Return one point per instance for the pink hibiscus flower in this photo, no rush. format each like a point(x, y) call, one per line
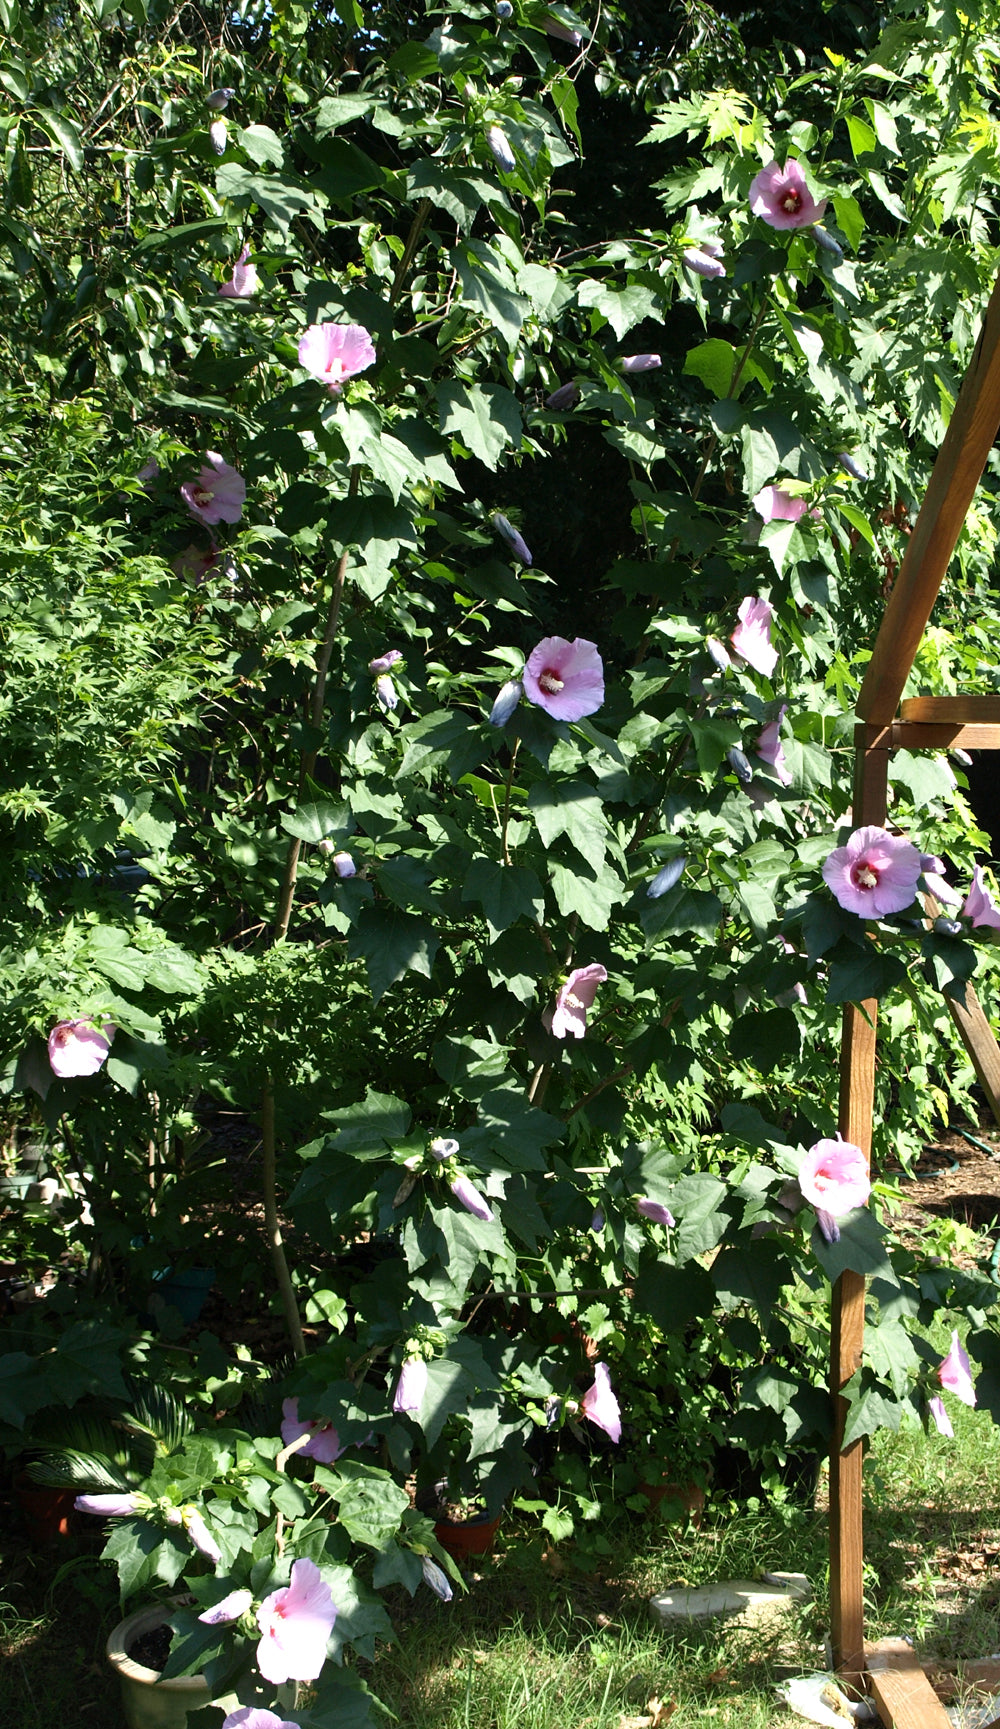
point(979, 905)
point(79, 1047)
point(255, 1717)
point(244, 282)
point(752, 637)
point(325, 1443)
point(773, 504)
point(782, 198)
point(600, 1405)
point(833, 1177)
point(568, 1014)
point(218, 494)
point(295, 1624)
point(955, 1373)
point(565, 678)
point(769, 747)
point(333, 353)
point(875, 874)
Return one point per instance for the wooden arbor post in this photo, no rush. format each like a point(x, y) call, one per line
point(924, 723)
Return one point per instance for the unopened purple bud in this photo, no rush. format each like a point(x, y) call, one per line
point(437, 1579)
point(739, 765)
point(705, 259)
point(385, 690)
point(562, 32)
point(655, 1211)
point(229, 1609)
point(963, 757)
point(386, 662)
point(567, 396)
point(929, 861)
point(221, 98)
point(506, 701)
point(344, 865)
point(443, 1147)
point(597, 1222)
point(847, 461)
point(828, 1225)
point(640, 362)
point(719, 653)
point(411, 1386)
point(944, 927)
point(473, 1202)
point(201, 1536)
point(218, 133)
point(106, 1506)
point(500, 150)
point(826, 243)
point(504, 10)
point(509, 533)
point(666, 878)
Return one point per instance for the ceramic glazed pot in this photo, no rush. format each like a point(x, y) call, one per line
point(148, 1701)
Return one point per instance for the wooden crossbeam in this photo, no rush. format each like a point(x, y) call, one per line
point(960, 463)
point(966, 709)
point(903, 1695)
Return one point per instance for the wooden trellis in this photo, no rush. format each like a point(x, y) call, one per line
point(903, 1696)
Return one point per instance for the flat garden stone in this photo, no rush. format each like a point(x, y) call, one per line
point(753, 1599)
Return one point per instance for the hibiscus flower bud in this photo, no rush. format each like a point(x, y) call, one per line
point(218, 134)
point(220, 98)
point(562, 32)
point(752, 637)
point(705, 259)
point(506, 701)
point(201, 1536)
point(640, 362)
point(386, 662)
point(740, 765)
point(942, 1421)
point(437, 1579)
point(655, 1212)
point(443, 1147)
point(499, 148)
point(568, 1015)
point(504, 10)
point(229, 1609)
point(718, 652)
point(386, 692)
point(826, 243)
point(509, 533)
point(473, 1202)
point(566, 396)
point(847, 461)
point(667, 877)
point(106, 1506)
point(948, 927)
point(344, 865)
point(411, 1386)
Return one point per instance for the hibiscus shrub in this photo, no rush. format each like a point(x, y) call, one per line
point(436, 595)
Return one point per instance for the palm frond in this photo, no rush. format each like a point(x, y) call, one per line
point(68, 1468)
point(155, 1412)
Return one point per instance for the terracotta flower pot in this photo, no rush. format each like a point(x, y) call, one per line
point(689, 1497)
point(47, 1513)
point(148, 1701)
point(469, 1537)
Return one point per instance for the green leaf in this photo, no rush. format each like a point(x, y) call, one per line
point(371, 1505)
point(486, 419)
point(391, 943)
point(674, 1296)
point(622, 308)
point(261, 144)
point(850, 219)
point(505, 892)
point(860, 1249)
point(316, 821)
point(591, 896)
point(682, 909)
point(715, 363)
point(334, 111)
point(486, 284)
point(574, 809)
point(65, 134)
point(863, 139)
point(858, 974)
point(767, 1040)
point(870, 1409)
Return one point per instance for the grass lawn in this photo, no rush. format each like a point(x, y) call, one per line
point(559, 1639)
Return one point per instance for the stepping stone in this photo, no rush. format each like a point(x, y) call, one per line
point(753, 1599)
